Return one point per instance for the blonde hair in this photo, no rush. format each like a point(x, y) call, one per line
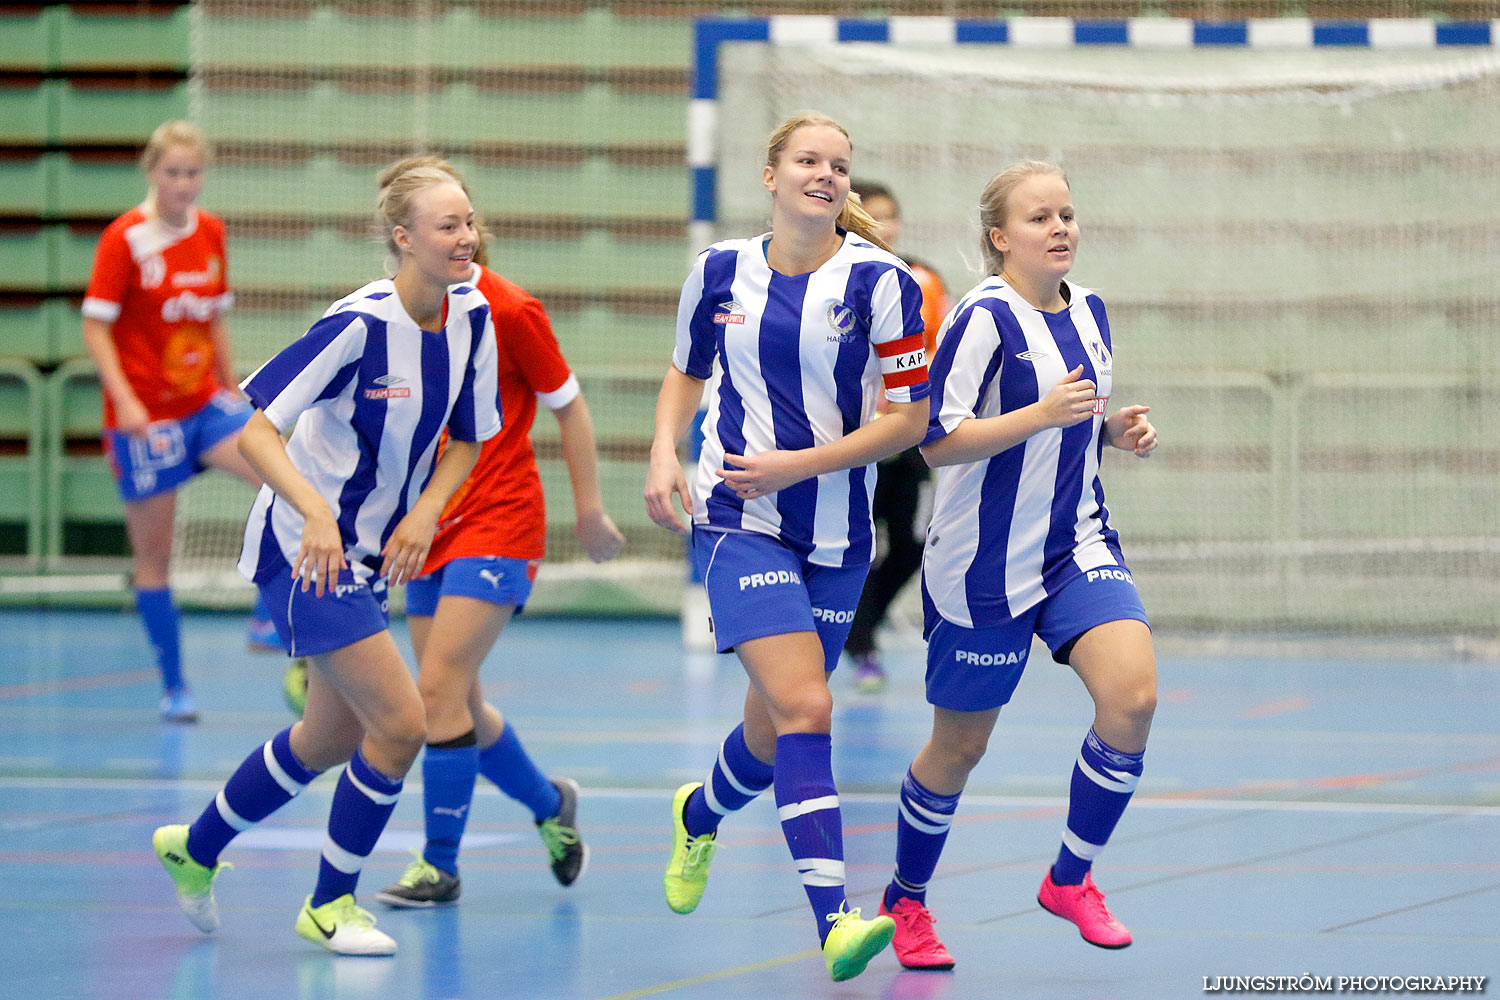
point(175, 132)
point(853, 216)
point(994, 205)
point(395, 205)
point(430, 160)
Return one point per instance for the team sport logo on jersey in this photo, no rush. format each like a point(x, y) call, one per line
point(1101, 354)
point(843, 321)
point(1032, 355)
point(730, 312)
point(388, 388)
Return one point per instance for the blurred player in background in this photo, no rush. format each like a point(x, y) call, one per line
point(796, 333)
point(350, 507)
point(153, 324)
point(489, 542)
point(898, 488)
point(1021, 544)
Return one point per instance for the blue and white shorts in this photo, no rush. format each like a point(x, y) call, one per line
point(977, 669)
point(307, 624)
point(171, 451)
point(759, 587)
point(495, 579)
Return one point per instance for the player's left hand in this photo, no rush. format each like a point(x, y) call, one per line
point(763, 474)
point(405, 551)
point(1129, 430)
point(601, 540)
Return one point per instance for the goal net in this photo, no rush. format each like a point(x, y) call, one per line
point(1298, 250)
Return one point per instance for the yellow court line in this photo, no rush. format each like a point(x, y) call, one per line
point(769, 963)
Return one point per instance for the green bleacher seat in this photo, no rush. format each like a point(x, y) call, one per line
point(96, 187)
point(25, 183)
point(27, 257)
point(34, 329)
point(27, 39)
point(28, 110)
point(87, 114)
point(130, 40)
point(22, 464)
point(75, 256)
point(80, 487)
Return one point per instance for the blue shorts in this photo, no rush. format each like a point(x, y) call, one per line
point(307, 624)
point(485, 578)
point(977, 669)
point(758, 587)
point(171, 451)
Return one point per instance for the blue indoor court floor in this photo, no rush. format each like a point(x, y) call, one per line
point(1325, 817)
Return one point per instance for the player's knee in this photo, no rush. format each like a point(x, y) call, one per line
point(807, 710)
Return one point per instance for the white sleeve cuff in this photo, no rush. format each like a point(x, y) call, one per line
point(562, 395)
point(101, 309)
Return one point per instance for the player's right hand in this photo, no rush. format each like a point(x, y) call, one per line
point(1070, 402)
point(664, 478)
point(321, 554)
point(131, 417)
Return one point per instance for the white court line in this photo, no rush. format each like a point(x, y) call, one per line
point(1015, 801)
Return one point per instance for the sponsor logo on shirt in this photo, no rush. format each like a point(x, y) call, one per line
point(388, 388)
point(1099, 402)
point(1032, 355)
point(772, 578)
point(188, 306)
point(190, 279)
point(1108, 573)
point(732, 312)
point(830, 615)
point(990, 659)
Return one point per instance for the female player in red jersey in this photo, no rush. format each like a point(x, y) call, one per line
point(153, 324)
point(489, 542)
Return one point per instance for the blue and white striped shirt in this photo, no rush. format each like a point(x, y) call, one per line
point(1009, 530)
point(794, 362)
point(369, 393)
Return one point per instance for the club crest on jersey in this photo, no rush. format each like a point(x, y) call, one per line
point(730, 312)
point(842, 319)
point(389, 388)
point(1101, 354)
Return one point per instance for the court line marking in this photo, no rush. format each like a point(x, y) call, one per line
point(1176, 800)
point(1414, 906)
point(92, 682)
point(709, 977)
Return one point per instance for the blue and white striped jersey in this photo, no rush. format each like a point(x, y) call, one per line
point(370, 393)
point(1011, 529)
point(795, 362)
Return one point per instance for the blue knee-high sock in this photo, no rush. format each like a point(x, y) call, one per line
point(448, 771)
point(1104, 779)
point(808, 805)
point(164, 629)
point(922, 821)
point(264, 782)
point(362, 803)
point(506, 763)
point(738, 776)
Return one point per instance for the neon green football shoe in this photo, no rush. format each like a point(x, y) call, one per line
point(853, 942)
point(687, 869)
point(343, 928)
point(194, 882)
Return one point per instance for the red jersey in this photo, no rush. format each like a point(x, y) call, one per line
point(499, 510)
point(160, 289)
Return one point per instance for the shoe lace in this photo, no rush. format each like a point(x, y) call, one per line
point(700, 851)
point(918, 921)
point(557, 838)
point(1092, 898)
point(844, 913)
point(418, 872)
point(351, 913)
